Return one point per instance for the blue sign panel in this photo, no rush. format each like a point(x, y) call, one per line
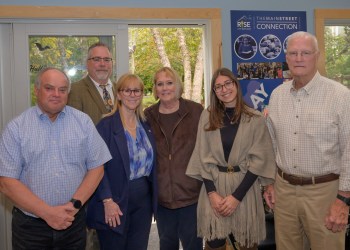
point(258, 50)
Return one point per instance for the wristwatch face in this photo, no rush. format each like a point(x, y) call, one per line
point(76, 203)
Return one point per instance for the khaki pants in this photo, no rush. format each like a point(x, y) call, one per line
point(300, 211)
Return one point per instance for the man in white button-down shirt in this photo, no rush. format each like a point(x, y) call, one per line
point(309, 121)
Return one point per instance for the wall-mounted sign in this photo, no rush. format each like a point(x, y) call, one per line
point(258, 50)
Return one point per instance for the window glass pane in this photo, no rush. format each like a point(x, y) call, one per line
point(180, 47)
point(337, 52)
point(65, 52)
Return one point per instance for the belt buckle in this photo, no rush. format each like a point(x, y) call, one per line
point(297, 180)
point(300, 180)
point(230, 169)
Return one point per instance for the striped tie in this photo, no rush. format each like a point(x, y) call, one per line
point(107, 98)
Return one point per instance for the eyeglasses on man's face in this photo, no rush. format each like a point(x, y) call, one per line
point(100, 59)
point(304, 53)
point(218, 87)
point(128, 92)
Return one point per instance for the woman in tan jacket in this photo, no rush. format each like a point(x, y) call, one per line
point(233, 156)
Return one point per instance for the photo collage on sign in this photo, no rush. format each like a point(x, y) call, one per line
point(258, 51)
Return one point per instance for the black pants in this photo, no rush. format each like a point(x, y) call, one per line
point(138, 220)
point(176, 225)
point(34, 233)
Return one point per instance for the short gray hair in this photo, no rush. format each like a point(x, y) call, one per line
point(98, 44)
point(304, 35)
point(37, 82)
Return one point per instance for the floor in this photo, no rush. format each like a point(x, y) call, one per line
point(153, 243)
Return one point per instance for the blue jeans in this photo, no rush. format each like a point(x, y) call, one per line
point(34, 233)
point(176, 225)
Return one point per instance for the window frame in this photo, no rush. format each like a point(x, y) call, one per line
point(324, 17)
point(210, 17)
point(10, 14)
point(213, 15)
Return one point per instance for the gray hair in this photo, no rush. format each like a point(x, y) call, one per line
point(306, 35)
point(37, 82)
point(98, 44)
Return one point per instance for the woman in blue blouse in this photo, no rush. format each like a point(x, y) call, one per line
point(122, 207)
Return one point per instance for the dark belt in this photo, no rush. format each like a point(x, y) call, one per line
point(298, 180)
point(229, 169)
point(16, 210)
point(19, 211)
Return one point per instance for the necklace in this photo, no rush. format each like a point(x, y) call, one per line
point(229, 118)
point(125, 124)
point(130, 128)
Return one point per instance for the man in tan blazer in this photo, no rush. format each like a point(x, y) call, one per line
point(88, 94)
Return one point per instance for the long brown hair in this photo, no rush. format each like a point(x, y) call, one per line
point(217, 108)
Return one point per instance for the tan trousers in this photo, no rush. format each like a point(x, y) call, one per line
point(300, 211)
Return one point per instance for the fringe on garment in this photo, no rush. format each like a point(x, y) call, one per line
point(247, 223)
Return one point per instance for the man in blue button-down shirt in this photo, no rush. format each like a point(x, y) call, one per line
point(51, 161)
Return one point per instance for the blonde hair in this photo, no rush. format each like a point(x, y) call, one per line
point(120, 85)
point(174, 76)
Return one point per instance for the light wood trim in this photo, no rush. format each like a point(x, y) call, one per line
point(60, 12)
point(321, 15)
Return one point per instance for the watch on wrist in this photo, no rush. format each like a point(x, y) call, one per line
point(76, 203)
point(344, 199)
